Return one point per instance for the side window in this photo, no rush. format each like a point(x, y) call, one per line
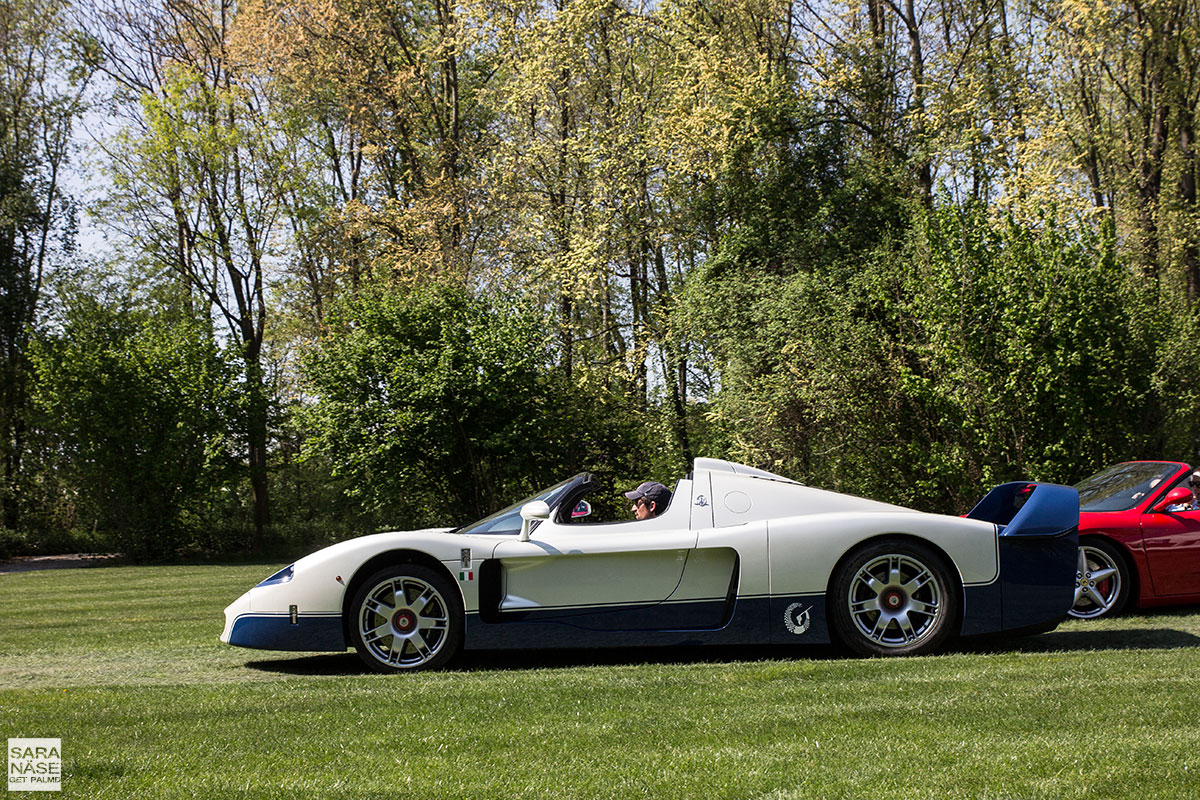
point(1184, 505)
point(594, 505)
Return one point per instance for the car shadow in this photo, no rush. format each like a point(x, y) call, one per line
point(1156, 634)
point(312, 665)
point(1074, 641)
point(506, 660)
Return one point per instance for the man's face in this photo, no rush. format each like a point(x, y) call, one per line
point(642, 508)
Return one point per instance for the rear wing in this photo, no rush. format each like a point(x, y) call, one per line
point(1022, 508)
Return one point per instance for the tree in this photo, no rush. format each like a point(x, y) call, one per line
point(136, 401)
point(387, 96)
point(439, 407)
point(1127, 94)
point(199, 179)
point(969, 352)
point(40, 100)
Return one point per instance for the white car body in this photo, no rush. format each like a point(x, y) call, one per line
point(739, 556)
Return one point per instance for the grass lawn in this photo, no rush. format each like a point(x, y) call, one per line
point(123, 664)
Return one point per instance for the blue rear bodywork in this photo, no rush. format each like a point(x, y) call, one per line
point(1038, 538)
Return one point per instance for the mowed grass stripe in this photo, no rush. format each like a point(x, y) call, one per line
point(124, 666)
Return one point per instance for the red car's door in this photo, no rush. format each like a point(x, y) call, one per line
point(1172, 542)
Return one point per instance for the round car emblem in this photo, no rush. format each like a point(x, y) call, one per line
point(797, 618)
point(404, 621)
point(893, 600)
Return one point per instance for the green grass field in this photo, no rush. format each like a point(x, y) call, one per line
point(123, 664)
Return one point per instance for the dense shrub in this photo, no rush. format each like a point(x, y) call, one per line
point(971, 351)
point(136, 406)
point(436, 407)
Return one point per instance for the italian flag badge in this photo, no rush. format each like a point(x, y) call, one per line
point(465, 575)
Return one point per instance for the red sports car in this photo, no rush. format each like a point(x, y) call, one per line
point(1139, 538)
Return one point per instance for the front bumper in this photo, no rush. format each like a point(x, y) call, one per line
point(265, 630)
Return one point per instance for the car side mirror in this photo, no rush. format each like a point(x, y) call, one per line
point(1180, 494)
point(535, 510)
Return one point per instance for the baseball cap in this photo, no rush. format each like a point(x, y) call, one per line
point(653, 491)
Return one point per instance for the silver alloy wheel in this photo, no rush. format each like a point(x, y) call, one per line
point(894, 600)
point(403, 621)
point(1097, 583)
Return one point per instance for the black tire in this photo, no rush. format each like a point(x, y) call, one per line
point(422, 631)
point(1102, 584)
point(894, 597)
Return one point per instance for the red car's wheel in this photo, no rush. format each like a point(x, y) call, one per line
point(1101, 580)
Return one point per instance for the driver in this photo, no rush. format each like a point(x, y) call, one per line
point(1194, 503)
point(649, 499)
point(1194, 485)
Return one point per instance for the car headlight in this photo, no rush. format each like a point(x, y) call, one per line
point(283, 576)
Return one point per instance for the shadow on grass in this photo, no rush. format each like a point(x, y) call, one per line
point(1075, 641)
point(1139, 630)
point(1155, 634)
point(503, 660)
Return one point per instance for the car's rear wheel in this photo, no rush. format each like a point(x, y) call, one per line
point(894, 597)
point(1101, 580)
point(406, 617)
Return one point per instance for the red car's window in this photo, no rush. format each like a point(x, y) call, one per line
point(1123, 486)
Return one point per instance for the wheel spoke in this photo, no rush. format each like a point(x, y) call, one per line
point(423, 599)
point(1103, 573)
point(375, 634)
point(379, 607)
point(917, 581)
point(400, 594)
point(919, 607)
point(1095, 597)
point(906, 627)
point(432, 624)
point(421, 646)
point(864, 606)
point(872, 584)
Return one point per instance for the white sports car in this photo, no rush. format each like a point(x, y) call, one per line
point(739, 556)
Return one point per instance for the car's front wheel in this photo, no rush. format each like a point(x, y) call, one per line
point(1101, 580)
point(406, 617)
point(894, 597)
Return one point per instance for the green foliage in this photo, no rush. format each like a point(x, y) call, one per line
point(976, 350)
point(40, 86)
point(1033, 352)
point(878, 249)
point(138, 403)
point(1176, 385)
point(439, 407)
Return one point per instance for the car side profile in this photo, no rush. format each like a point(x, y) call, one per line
point(739, 556)
point(1139, 539)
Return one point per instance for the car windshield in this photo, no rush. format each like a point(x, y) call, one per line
point(1123, 486)
point(508, 520)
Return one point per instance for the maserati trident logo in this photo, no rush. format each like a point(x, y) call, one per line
point(797, 618)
